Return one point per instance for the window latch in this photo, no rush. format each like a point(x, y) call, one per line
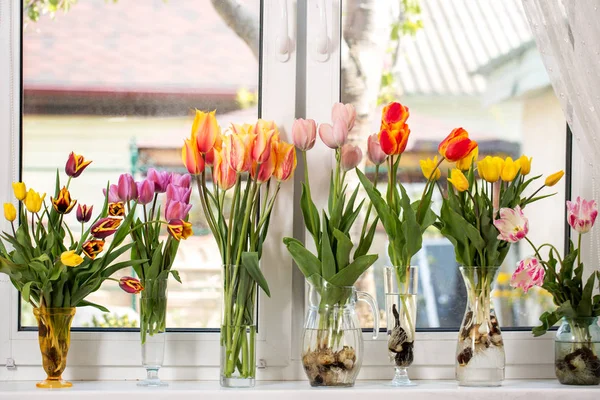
point(10, 364)
point(262, 364)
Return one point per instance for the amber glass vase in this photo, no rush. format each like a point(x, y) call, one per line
point(54, 332)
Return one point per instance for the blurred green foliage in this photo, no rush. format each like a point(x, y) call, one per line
point(113, 321)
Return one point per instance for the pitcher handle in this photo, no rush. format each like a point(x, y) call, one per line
point(367, 298)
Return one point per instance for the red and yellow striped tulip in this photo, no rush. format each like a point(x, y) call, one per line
point(93, 247)
point(286, 161)
point(130, 285)
point(457, 145)
point(179, 229)
point(75, 165)
point(261, 147)
point(393, 142)
point(393, 117)
point(105, 227)
point(63, 203)
point(116, 209)
point(209, 158)
point(238, 152)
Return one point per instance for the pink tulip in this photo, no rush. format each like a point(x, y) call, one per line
point(145, 190)
point(176, 210)
point(161, 179)
point(581, 214)
point(127, 189)
point(113, 194)
point(345, 112)
point(304, 133)
point(334, 136)
point(374, 152)
point(178, 193)
point(512, 225)
point(351, 157)
point(183, 181)
point(530, 272)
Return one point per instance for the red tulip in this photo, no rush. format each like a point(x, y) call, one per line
point(75, 165)
point(130, 285)
point(457, 145)
point(105, 227)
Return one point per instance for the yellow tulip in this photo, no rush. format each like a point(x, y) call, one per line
point(464, 164)
point(490, 168)
point(10, 212)
point(524, 164)
point(427, 167)
point(70, 258)
point(20, 190)
point(553, 179)
point(458, 180)
point(33, 201)
point(509, 170)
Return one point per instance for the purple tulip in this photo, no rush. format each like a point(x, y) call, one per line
point(127, 189)
point(84, 212)
point(145, 190)
point(176, 210)
point(113, 194)
point(161, 179)
point(178, 193)
point(184, 180)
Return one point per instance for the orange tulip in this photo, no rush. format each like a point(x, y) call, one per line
point(223, 175)
point(244, 129)
point(393, 142)
point(192, 159)
point(238, 154)
point(263, 172)
point(265, 126)
point(261, 148)
point(286, 161)
point(457, 145)
point(209, 158)
point(394, 116)
point(205, 130)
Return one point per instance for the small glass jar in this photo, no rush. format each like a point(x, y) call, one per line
point(576, 350)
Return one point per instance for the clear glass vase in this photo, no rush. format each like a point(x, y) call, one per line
point(238, 329)
point(576, 351)
point(54, 335)
point(333, 345)
point(401, 311)
point(153, 317)
point(480, 355)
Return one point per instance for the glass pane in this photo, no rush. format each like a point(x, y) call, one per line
point(457, 63)
point(121, 90)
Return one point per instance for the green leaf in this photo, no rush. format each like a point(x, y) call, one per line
point(26, 291)
point(328, 265)
point(584, 308)
point(548, 320)
point(176, 276)
point(389, 220)
point(85, 303)
point(251, 263)
point(349, 275)
point(310, 214)
point(306, 261)
point(410, 228)
point(365, 242)
point(343, 248)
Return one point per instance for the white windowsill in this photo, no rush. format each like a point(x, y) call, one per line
point(425, 390)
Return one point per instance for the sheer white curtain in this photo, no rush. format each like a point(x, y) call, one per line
point(567, 33)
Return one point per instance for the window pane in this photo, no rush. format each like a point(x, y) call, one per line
point(118, 83)
point(466, 63)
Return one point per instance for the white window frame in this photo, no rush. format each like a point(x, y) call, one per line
point(117, 355)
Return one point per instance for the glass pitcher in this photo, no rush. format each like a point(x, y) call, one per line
point(333, 345)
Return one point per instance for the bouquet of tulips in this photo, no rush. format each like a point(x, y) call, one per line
point(250, 163)
point(52, 270)
point(577, 359)
point(155, 256)
point(47, 265)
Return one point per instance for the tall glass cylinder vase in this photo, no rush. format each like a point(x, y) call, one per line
point(576, 351)
point(238, 329)
point(480, 355)
point(153, 318)
point(401, 311)
point(54, 336)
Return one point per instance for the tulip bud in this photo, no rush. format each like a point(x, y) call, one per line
point(179, 229)
point(183, 181)
point(553, 179)
point(179, 193)
point(524, 164)
point(458, 180)
point(10, 212)
point(374, 152)
point(582, 214)
point(92, 248)
point(509, 170)
point(105, 227)
point(161, 179)
point(19, 190)
point(223, 176)
point(334, 136)
point(75, 165)
point(70, 258)
point(304, 133)
point(286, 161)
point(427, 167)
point(351, 157)
point(205, 130)
point(127, 188)
point(33, 201)
point(130, 285)
point(175, 209)
point(347, 112)
point(84, 213)
point(145, 191)
point(238, 152)
point(261, 148)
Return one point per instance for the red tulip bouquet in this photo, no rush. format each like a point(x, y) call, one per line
point(248, 163)
point(337, 262)
point(578, 338)
point(54, 271)
point(143, 199)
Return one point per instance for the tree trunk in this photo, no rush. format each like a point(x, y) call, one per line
point(241, 20)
